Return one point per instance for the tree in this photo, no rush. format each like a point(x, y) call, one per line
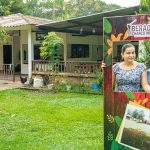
point(3, 35)
point(129, 112)
point(4, 7)
point(135, 114)
point(50, 46)
point(61, 9)
point(141, 115)
point(54, 9)
point(34, 8)
point(17, 6)
point(144, 6)
point(78, 8)
point(11, 6)
point(145, 9)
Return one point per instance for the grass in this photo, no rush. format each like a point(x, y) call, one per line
point(46, 121)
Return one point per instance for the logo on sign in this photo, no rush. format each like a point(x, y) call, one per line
point(138, 30)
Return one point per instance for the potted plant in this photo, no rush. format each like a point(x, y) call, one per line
point(99, 76)
point(97, 84)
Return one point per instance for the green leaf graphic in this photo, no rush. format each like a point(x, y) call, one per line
point(107, 26)
point(110, 136)
point(114, 145)
point(108, 60)
point(118, 120)
point(110, 118)
point(129, 95)
point(105, 49)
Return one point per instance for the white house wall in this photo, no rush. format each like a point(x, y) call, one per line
point(95, 43)
point(16, 50)
point(1, 54)
point(24, 41)
point(95, 46)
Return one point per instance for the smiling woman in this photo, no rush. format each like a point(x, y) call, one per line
point(129, 74)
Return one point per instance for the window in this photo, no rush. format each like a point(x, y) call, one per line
point(37, 52)
point(25, 53)
point(79, 51)
point(40, 35)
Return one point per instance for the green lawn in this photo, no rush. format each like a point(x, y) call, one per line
point(48, 121)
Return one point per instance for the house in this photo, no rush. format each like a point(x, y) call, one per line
point(18, 49)
point(83, 37)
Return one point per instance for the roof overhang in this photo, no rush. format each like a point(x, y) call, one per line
point(88, 25)
point(21, 22)
point(23, 27)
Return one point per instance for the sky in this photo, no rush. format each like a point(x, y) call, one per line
point(123, 3)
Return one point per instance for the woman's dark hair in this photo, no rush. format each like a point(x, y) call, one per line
point(125, 46)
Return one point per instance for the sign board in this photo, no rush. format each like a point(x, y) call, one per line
point(117, 31)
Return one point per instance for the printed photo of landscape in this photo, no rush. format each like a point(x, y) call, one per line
point(135, 131)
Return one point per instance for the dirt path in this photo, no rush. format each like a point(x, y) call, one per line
point(4, 85)
point(140, 126)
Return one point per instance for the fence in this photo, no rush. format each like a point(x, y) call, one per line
point(81, 67)
point(7, 72)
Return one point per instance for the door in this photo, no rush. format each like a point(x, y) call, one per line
point(7, 54)
point(37, 52)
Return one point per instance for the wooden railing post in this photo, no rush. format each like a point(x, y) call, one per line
point(13, 73)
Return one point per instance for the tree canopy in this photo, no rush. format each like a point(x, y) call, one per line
point(12, 6)
point(145, 6)
point(51, 45)
point(3, 35)
point(55, 9)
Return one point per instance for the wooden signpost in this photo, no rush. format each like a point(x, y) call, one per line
point(120, 29)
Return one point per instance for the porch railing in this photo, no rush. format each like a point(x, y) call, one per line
point(81, 67)
point(7, 72)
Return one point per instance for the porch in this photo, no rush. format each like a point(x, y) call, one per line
point(73, 68)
